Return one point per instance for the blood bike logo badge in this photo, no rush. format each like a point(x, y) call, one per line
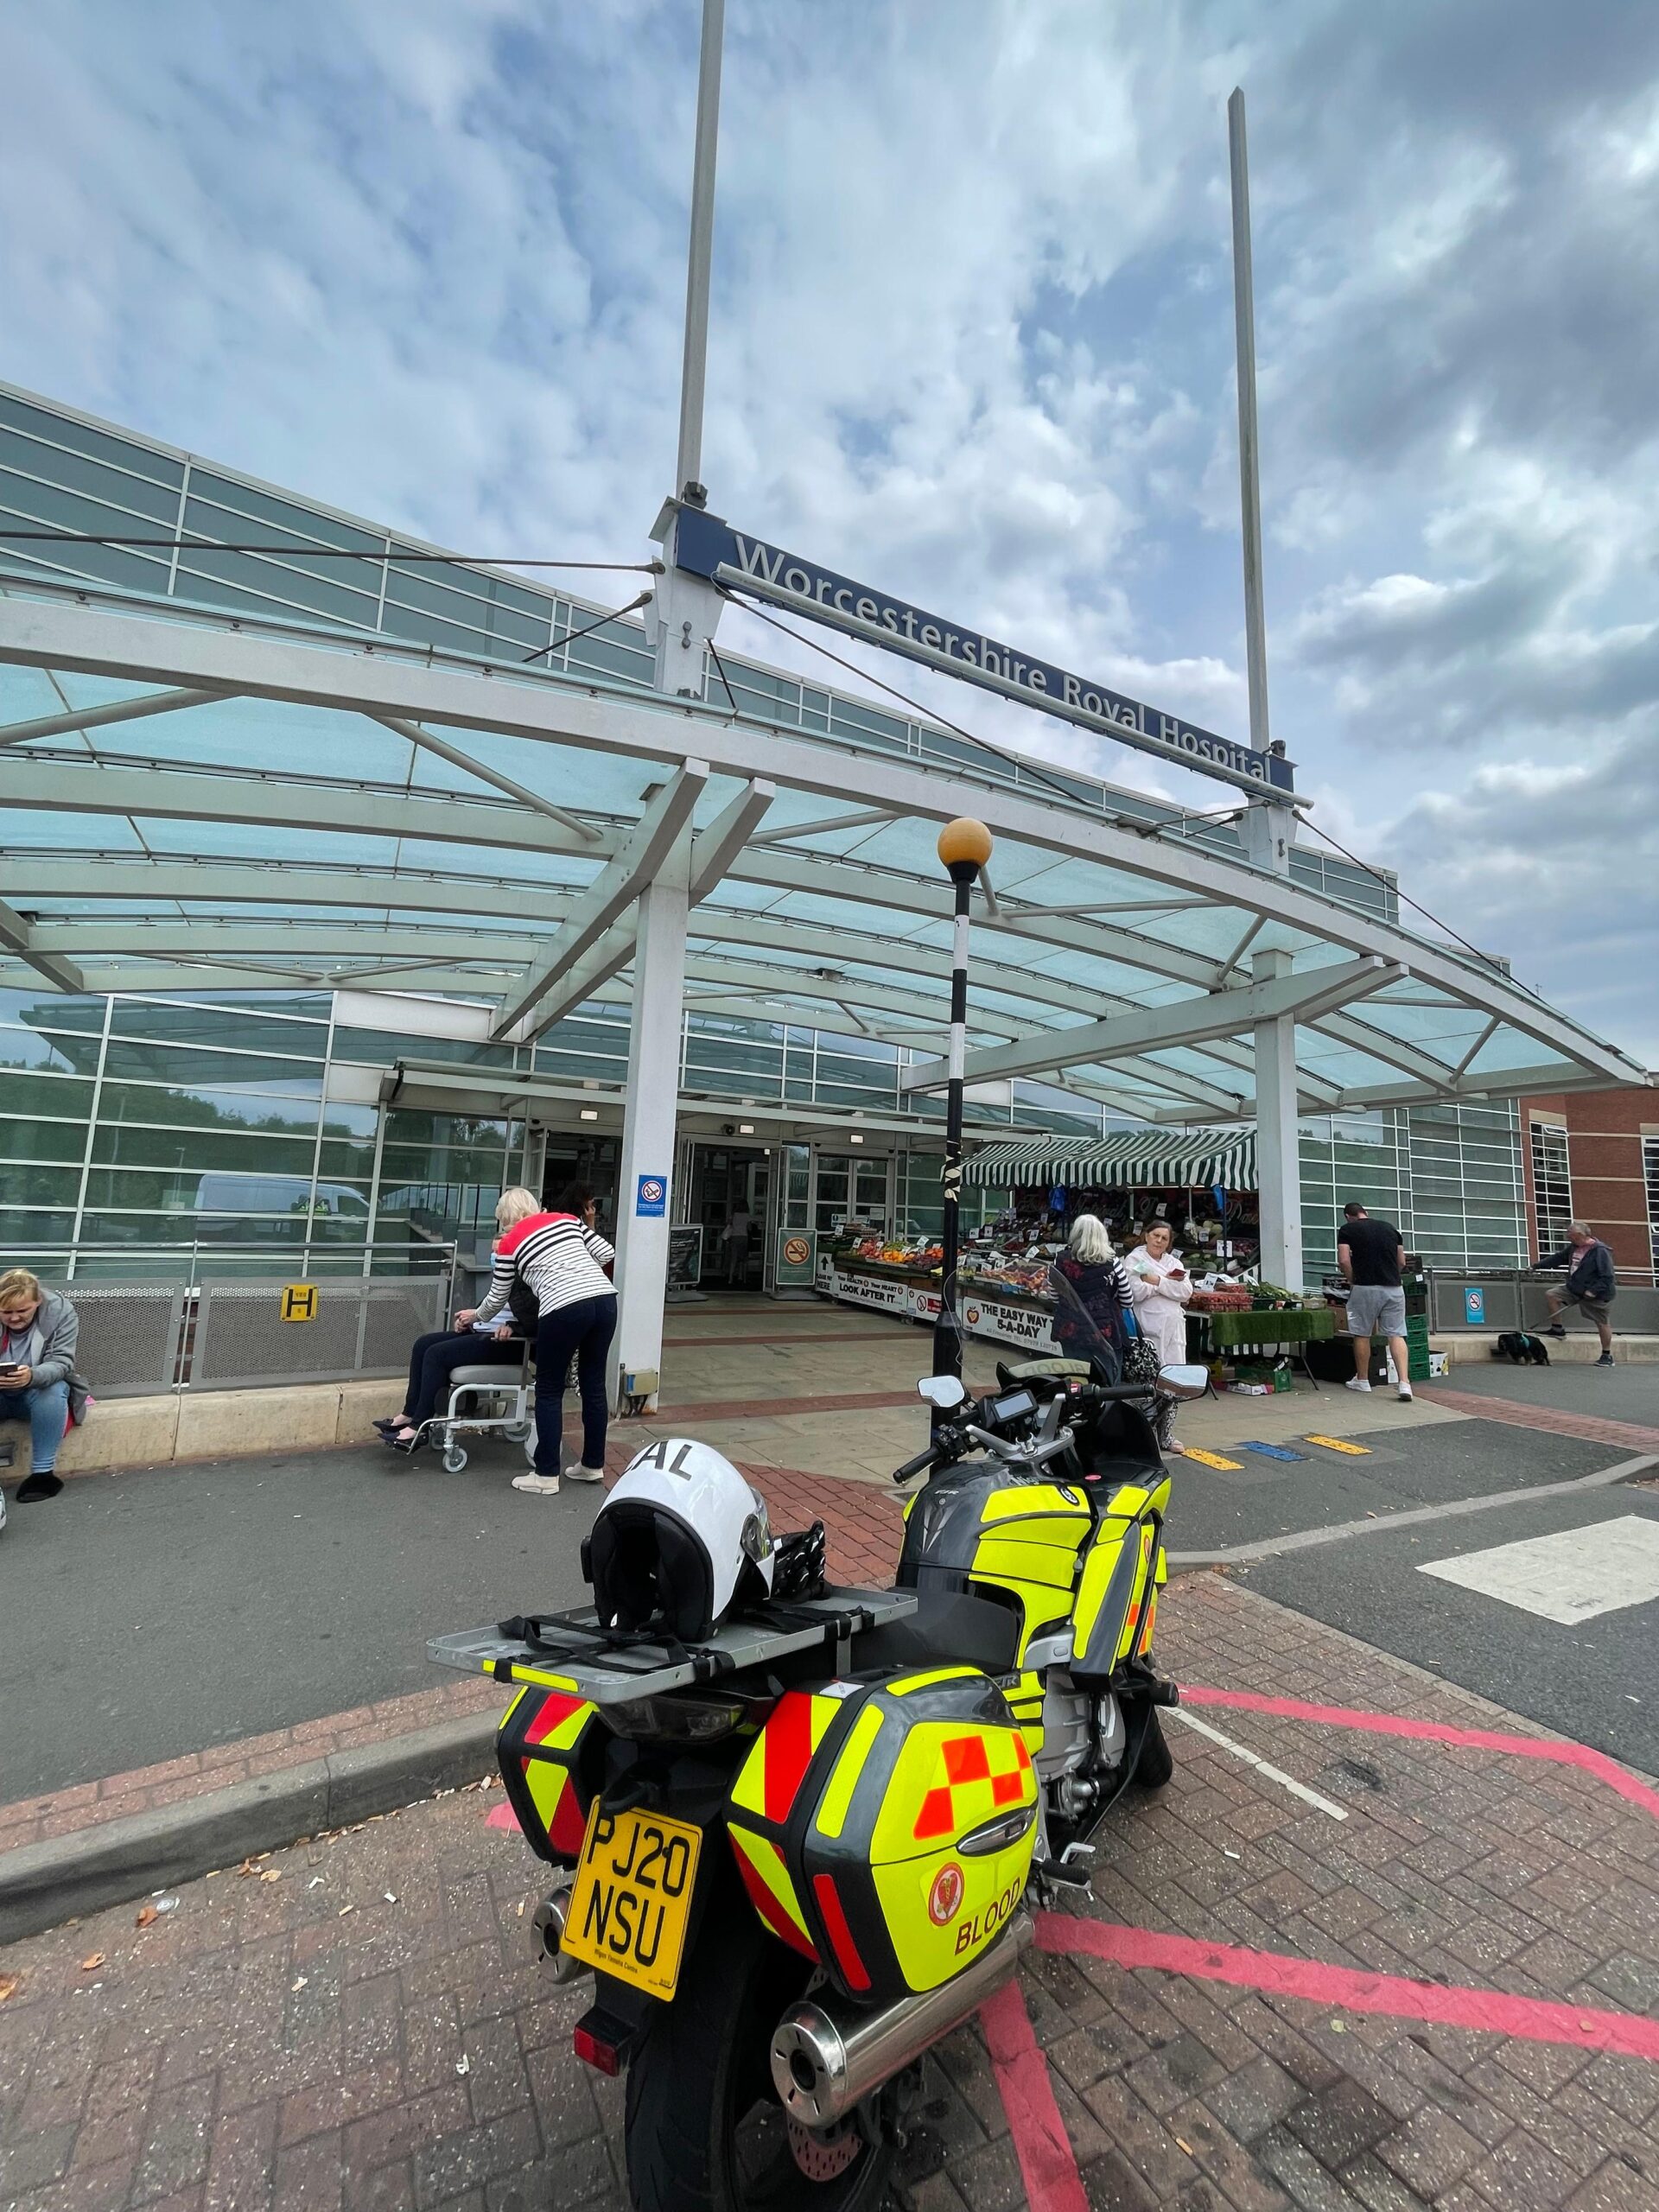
point(945, 1898)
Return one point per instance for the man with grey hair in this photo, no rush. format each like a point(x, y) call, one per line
point(1592, 1285)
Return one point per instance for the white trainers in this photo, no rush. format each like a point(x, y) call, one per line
point(542, 1485)
point(1405, 1392)
point(1357, 1382)
point(583, 1473)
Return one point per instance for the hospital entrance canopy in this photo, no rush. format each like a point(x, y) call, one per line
point(225, 770)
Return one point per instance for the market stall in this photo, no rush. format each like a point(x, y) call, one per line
point(1202, 1182)
point(1000, 1298)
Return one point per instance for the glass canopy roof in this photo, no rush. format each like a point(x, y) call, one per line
point(229, 770)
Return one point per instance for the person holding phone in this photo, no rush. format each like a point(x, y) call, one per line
point(1162, 1287)
point(39, 1332)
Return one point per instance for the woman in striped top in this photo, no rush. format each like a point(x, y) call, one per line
point(561, 1259)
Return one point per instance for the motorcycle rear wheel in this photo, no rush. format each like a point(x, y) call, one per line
point(705, 2132)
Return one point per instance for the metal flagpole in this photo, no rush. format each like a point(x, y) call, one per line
point(965, 847)
point(1249, 479)
point(700, 256)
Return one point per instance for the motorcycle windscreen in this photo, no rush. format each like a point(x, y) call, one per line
point(1085, 1318)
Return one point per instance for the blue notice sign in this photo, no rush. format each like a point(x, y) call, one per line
point(1474, 1306)
point(652, 1199)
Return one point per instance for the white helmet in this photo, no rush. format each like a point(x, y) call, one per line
point(680, 1539)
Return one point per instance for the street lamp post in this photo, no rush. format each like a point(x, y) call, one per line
point(965, 847)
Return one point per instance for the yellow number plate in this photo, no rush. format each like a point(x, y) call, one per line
point(632, 1897)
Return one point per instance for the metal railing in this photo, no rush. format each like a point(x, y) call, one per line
point(1484, 1298)
point(158, 1318)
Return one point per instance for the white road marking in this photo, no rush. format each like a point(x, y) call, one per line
point(1269, 1773)
point(1570, 1577)
point(1383, 1524)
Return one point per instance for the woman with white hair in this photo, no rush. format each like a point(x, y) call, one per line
point(435, 1356)
point(1100, 1281)
point(562, 1258)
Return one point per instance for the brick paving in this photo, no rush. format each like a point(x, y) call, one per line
point(144, 1790)
point(370, 2030)
point(1633, 1434)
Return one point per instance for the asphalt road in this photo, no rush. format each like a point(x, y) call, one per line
point(145, 1615)
point(1211, 1509)
point(1627, 1393)
point(1597, 1683)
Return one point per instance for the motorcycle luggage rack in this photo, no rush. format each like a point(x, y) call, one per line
point(570, 1650)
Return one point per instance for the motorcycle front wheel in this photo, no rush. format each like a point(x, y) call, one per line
point(705, 2130)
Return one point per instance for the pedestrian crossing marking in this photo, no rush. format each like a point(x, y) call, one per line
point(1570, 1577)
point(1336, 1444)
point(1213, 1459)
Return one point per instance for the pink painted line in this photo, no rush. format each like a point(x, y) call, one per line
point(1048, 2165)
point(1532, 2019)
point(1438, 1732)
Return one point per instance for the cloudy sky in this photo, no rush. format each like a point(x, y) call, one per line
point(972, 341)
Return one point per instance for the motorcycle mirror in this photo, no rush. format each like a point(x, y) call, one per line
point(1183, 1381)
point(942, 1390)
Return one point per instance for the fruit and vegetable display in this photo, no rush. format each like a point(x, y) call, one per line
point(885, 1252)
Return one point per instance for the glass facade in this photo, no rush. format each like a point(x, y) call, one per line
point(236, 1122)
point(58, 471)
point(1552, 1185)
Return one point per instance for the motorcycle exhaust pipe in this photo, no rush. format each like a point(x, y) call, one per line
point(549, 1922)
point(827, 2055)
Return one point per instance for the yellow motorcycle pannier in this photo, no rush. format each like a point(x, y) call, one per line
point(544, 1746)
point(885, 1827)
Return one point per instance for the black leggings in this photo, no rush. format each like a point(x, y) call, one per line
point(436, 1357)
point(585, 1329)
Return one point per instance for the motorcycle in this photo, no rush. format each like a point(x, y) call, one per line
point(799, 1854)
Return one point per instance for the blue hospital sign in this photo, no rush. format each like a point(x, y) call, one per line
point(706, 546)
point(653, 1198)
point(1474, 1306)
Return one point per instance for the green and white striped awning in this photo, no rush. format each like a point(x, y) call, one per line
point(1134, 1159)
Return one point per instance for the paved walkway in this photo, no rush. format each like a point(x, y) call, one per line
point(1410, 1961)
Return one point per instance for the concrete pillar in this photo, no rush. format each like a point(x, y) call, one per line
point(649, 1116)
point(1278, 1156)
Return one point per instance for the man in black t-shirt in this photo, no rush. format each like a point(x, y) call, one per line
point(1371, 1256)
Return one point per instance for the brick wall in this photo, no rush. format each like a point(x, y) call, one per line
point(1603, 1139)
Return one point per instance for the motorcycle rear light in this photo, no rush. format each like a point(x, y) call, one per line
point(603, 2057)
point(675, 1719)
point(601, 2041)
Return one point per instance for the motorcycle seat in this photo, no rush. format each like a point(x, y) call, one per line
point(948, 1627)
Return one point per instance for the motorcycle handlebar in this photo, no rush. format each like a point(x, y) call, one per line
point(914, 1466)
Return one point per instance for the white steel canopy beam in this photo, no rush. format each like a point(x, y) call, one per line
point(273, 801)
point(17, 935)
point(116, 710)
point(486, 774)
point(44, 633)
point(1189, 1021)
point(614, 889)
point(714, 849)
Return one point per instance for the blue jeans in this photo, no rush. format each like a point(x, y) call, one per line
point(44, 1407)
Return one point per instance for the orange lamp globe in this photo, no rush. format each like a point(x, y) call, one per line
point(964, 843)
